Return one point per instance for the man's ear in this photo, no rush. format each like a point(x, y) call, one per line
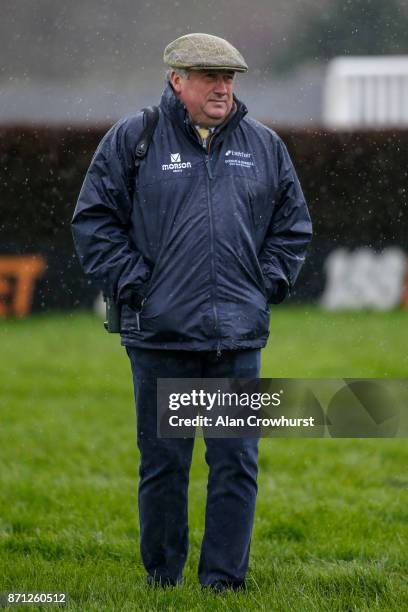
point(175, 80)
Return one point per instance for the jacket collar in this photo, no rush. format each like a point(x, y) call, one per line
point(175, 109)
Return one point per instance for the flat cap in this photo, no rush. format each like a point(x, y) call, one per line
point(203, 51)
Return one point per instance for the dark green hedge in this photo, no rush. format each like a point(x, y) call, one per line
point(355, 183)
point(41, 171)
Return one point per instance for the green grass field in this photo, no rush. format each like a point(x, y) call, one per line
point(331, 530)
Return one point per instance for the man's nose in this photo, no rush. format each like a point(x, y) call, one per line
point(220, 86)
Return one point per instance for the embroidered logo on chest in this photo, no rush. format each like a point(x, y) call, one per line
point(238, 158)
point(176, 165)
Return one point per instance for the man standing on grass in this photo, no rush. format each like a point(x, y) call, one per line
point(212, 230)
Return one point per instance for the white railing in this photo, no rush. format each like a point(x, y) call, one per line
point(366, 92)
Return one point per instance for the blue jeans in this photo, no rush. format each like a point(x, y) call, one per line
point(164, 474)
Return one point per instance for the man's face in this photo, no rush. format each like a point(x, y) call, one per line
point(207, 95)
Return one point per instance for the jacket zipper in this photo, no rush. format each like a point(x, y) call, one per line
point(138, 312)
point(212, 246)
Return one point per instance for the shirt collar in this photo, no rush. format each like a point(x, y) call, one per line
point(197, 128)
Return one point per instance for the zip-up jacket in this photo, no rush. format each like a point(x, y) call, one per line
point(198, 242)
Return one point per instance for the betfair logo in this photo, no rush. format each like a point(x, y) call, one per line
point(176, 165)
point(241, 159)
point(237, 154)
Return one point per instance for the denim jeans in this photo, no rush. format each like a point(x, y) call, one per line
point(164, 474)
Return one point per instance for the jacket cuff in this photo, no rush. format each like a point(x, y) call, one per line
point(134, 293)
point(277, 289)
point(132, 298)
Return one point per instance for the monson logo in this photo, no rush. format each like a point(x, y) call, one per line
point(176, 165)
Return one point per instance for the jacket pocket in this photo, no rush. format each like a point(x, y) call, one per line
point(130, 319)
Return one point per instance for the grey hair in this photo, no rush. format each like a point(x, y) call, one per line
point(180, 71)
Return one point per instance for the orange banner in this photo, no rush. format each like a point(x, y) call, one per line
point(18, 275)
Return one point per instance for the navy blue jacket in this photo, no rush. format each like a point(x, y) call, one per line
point(208, 239)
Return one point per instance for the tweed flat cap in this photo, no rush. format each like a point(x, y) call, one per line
point(203, 51)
